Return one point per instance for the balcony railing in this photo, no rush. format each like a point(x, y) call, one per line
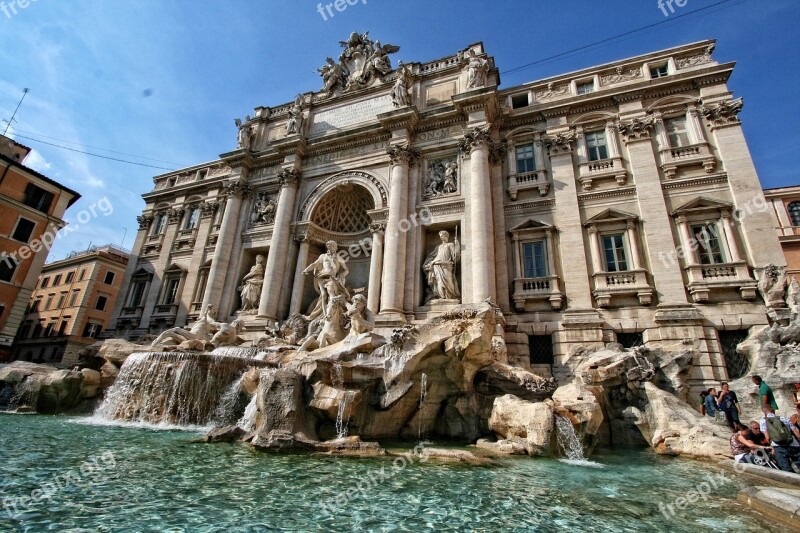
point(694, 154)
point(612, 168)
point(528, 181)
point(607, 285)
point(165, 309)
point(705, 279)
point(131, 312)
point(530, 290)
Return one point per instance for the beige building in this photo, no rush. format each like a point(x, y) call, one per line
point(784, 202)
point(596, 206)
point(71, 305)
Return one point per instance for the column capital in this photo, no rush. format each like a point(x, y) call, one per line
point(560, 143)
point(144, 221)
point(378, 226)
point(497, 151)
point(402, 154)
point(175, 214)
point(288, 177)
point(592, 229)
point(723, 114)
point(681, 219)
point(637, 128)
point(630, 224)
point(238, 188)
point(300, 238)
point(208, 209)
point(475, 138)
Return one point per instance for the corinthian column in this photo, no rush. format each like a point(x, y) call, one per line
point(237, 190)
point(475, 144)
point(278, 250)
point(395, 242)
point(375, 266)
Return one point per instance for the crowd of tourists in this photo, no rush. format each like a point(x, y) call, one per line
point(773, 441)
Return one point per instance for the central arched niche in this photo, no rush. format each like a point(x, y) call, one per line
point(342, 215)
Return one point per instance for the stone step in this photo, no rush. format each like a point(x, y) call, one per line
point(778, 504)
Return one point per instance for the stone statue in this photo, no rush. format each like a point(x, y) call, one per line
point(440, 267)
point(201, 330)
point(245, 134)
point(401, 93)
point(362, 60)
point(361, 318)
point(332, 327)
point(378, 63)
point(250, 289)
point(330, 271)
point(263, 210)
point(477, 68)
point(295, 124)
point(442, 179)
point(227, 334)
point(793, 297)
point(333, 76)
point(451, 177)
point(772, 285)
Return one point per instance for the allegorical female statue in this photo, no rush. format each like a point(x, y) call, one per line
point(250, 289)
point(440, 267)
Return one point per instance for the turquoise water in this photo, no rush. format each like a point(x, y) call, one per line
point(149, 480)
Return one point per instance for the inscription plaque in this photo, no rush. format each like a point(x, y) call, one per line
point(348, 115)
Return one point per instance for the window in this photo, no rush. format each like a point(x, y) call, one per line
point(70, 276)
point(57, 280)
point(74, 298)
point(83, 275)
point(659, 71)
point(2, 310)
point(737, 364)
point(62, 328)
point(677, 132)
point(8, 265)
point(519, 100)
point(49, 303)
point(630, 340)
point(614, 250)
point(525, 161)
point(24, 331)
point(534, 259)
point(92, 330)
point(61, 300)
point(585, 87)
point(45, 283)
point(101, 302)
point(23, 230)
point(794, 213)
point(109, 278)
point(48, 331)
point(160, 223)
point(171, 291)
point(192, 216)
point(596, 145)
point(201, 174)
point(35, 305)
point(37, 198)
point(540, 348)
point(709, 247)
point(137, 293)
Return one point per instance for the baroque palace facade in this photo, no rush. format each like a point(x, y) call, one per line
point(611, 204)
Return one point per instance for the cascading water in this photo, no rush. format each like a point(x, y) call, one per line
point(423, 392)
point(25, 393)
point(337, 376)
point(343, 414)
point(248, 420)
point(568, 441)
point(172, 387)
point(227, 409)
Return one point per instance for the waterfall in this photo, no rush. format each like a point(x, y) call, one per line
point(343, 414)
point(227, 412)
point(25, 393)
point(173, 388)
point(423, 392)
point(337, 376)
point(236, 351)
point(568, 441)
point(248, 420)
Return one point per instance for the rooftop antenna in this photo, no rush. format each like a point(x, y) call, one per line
point(8, 122)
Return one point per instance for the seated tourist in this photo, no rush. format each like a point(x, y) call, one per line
point(756, 435)
point(710, 402)
point(742, 448)
point(728, 403)
point(781, 437)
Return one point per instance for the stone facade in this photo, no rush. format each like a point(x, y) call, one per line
point(593, 207)
point(784, 205)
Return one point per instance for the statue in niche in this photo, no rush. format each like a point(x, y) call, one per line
point(295, 123)
point(477, 69)
point(442, 178)
point(250, 289)
point(440, 269)
point(330, 272)
point(202, 330)
point(263, 210)
point(361, 318)
point(401, 93)
point(245, 135)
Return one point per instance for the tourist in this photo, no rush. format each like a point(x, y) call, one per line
point(765, 396)
point(728, 403)
point(796, 394)
point(756, 435)
point(710, 403)
point(795, 421)
point(743, 449)
point(784, 444)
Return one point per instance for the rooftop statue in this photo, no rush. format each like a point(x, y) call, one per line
point(362, 60)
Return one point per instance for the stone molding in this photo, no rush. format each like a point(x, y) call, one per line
point(477, 137)
point(402, 154)
point(725, 113)
point(636, 129)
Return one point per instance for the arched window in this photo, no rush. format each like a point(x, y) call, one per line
point(794, 213)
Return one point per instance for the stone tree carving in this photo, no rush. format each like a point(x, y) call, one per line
point(361, 62)
point(477, 69)
point(295, 124)
point(401, 93)
point(440, 269)
point(263, 210)
point(250, 289)
point(772, 285)
point(246, 131)
point(442, 178)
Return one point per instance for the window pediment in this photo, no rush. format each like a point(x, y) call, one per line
point(702, 205)
point(610, 216)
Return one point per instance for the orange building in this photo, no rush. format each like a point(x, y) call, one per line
point(784, 202)
point(32, 207)
point(71, 305)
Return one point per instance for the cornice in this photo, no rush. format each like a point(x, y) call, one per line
point(549, 202)
point(694, 182)
point(607, 193)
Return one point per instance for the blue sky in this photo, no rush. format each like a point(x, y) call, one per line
point(165, 79)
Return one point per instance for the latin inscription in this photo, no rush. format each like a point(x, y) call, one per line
point(342, 117)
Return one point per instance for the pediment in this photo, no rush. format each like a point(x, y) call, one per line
point(611, 215)
point(530, 224)
point(701, 203)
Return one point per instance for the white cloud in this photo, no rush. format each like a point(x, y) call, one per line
point(37, 162)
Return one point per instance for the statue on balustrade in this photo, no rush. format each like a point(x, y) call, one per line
point(330, 272)
point(440, 269)
point(250, 289)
